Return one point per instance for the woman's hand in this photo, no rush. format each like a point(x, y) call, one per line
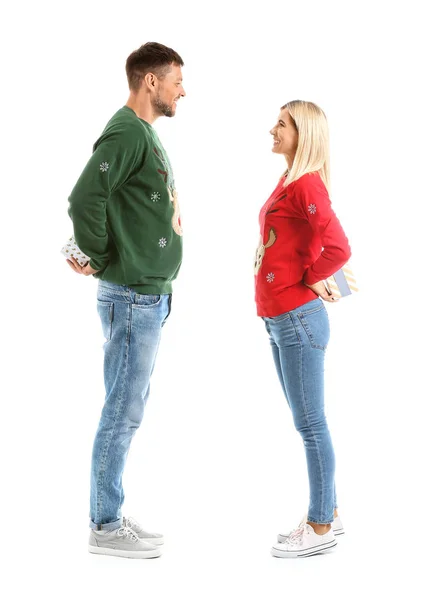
point(319, 288)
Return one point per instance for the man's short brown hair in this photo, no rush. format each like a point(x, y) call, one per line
point(150, 58)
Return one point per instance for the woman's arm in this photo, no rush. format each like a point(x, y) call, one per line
point(316, 207)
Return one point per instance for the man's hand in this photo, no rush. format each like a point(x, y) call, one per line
point(86, 270)
point(319, 288)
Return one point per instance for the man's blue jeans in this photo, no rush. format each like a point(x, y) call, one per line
point(299, 339)
point(132, 326)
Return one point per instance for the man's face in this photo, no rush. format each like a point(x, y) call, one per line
point(169, 91)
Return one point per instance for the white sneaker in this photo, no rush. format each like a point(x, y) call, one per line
point(304, 541)
point(121, 542)
point(157, 539)
point(337, 528)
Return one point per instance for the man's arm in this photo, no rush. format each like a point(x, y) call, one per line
point(112, 162)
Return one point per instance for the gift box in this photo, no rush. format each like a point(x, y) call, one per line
point(342, 283)
point(71, 249)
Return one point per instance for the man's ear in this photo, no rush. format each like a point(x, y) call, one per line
point(150, 80)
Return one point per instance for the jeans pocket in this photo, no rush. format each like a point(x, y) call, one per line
point(147, 300)
point(169, 309)
point(316, 325)
point(106, 314)
point(278, 318)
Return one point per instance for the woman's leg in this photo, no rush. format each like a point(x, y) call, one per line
point(301, 337)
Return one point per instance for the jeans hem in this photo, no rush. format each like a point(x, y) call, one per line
point(319, 522)
point(106, 526)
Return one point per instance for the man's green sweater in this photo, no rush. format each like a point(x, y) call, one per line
point(124, 208)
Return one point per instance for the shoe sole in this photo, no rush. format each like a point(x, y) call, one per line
point(304, 553)
point(336, 532)
point(125, 553)
point(153, 541)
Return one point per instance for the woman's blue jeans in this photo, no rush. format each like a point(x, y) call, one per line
point(299, 339)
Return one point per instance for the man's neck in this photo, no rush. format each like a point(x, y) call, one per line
point(142, 108)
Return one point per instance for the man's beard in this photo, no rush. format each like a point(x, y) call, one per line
point(161, 108)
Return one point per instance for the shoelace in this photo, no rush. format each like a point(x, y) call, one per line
point(130, 522)
point(127, 532)
point(296, 537)
point(300, 525)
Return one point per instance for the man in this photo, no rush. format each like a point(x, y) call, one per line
point(126, 219)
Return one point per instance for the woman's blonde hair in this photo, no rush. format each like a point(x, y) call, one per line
point(312, 153)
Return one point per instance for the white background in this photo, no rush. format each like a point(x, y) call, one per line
point(217, 465)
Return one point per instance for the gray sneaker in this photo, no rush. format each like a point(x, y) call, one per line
point(157, 539)
point(121, 542)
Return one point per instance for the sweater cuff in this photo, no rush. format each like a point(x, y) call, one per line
point(98, 265)
point(309, 277)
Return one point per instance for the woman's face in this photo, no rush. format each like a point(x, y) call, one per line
point(285, 135)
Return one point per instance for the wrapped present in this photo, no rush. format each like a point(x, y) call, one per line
point(72, 250)
point(342, 283)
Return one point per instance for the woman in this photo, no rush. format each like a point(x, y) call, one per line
point(301, 244)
